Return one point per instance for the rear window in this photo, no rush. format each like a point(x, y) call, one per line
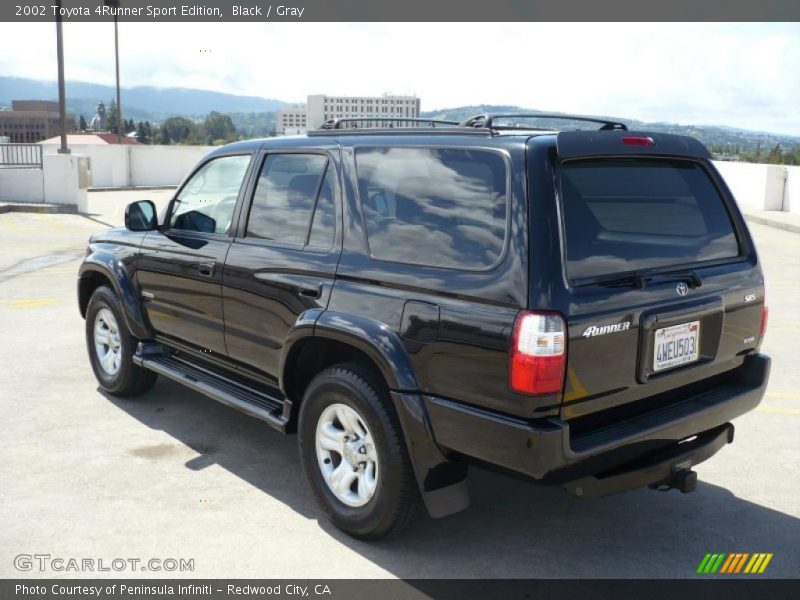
point(623, 215)
point(439, 207)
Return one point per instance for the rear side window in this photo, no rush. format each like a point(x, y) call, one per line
point(434, 206)
point(293, 201)
point(623, 215)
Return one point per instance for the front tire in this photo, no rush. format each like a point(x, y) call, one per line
point(353, 453)
point(111, 347)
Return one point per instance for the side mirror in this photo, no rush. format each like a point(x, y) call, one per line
point(141, 216)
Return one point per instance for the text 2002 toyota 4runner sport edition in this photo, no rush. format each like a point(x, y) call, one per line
point(582, 307)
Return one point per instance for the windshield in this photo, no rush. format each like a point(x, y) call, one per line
point(623, 215)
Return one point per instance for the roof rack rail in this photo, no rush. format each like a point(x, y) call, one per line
point(383, 122)
point(487, 121)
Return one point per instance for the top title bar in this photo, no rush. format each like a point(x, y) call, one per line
point(254, 11)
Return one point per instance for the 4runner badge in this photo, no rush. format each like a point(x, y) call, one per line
point(604, 329)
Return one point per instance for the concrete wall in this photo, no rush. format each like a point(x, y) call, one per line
point(109, 162)
point(63, 183)
point(163, 165)
point(759, 187)
point(21, 185)
point(791, 195)
point(136, 165)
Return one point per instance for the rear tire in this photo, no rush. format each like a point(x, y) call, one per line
point(354, 455)
point(111, 347)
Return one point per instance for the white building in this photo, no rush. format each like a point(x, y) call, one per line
point(321, 108)
point(291, 121)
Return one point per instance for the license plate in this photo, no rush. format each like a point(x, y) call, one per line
point(676, 345)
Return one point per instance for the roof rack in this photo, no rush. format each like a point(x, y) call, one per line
point(383, 122)
point(486, 121)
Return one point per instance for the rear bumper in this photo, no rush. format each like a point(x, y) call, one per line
point(634, 452)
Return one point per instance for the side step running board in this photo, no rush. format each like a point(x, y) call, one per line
point(234, 392)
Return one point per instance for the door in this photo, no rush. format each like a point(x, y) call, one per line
point(283, 260)
point(180, 269)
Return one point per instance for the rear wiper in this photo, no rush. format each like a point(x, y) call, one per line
point(639, 280)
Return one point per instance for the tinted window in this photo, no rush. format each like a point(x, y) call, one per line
point(438, 207)
point(284, 198)
point(625, 215)
point(207, 200)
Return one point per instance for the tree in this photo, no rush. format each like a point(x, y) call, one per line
point(775, 156)
point(144, 134)
point(82, 124)
point(179, 129)
point(112, 116)
point(163, 136)
point(219, 127)
point(128, 126)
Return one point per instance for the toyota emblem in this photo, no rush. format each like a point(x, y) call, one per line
point(682, 289)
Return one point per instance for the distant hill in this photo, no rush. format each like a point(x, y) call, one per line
point(711, 135)
point(139, 103)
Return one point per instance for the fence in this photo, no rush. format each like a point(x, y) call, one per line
point(21, 156)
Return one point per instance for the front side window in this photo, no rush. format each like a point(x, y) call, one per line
point(438, 207)
point(207, 201)
point(293, 201)
point(623, 215)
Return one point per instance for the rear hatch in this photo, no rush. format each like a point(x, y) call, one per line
point(663, 290)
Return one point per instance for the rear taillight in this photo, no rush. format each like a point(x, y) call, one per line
point(538, 354)
point(764, 318)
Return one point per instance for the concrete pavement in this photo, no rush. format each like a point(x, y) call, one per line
point(176, 475)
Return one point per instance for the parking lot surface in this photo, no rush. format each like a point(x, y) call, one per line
point(173, 474)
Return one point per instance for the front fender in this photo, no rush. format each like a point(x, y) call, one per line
point(112, 268)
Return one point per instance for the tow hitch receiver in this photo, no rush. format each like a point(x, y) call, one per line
point(683, 479)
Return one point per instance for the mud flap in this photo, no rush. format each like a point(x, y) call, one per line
point(442, 482)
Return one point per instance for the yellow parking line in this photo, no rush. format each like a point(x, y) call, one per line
point(778, 410)
point(51, 221)
point(33, 302)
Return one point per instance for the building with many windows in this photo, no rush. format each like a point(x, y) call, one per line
point(321, 108)
point(31, 121)
point(291, 121)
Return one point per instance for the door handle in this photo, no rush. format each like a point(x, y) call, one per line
point(310, 291)
point(206, 269)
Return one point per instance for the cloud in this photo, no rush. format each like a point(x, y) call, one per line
point(742, 75)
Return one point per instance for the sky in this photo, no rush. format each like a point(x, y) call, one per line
point(741, 75)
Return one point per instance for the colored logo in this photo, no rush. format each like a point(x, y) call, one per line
point(736, 562)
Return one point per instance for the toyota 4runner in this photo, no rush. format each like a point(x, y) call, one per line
point(582, 307)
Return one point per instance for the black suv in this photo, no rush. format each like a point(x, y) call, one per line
point(581, 307)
